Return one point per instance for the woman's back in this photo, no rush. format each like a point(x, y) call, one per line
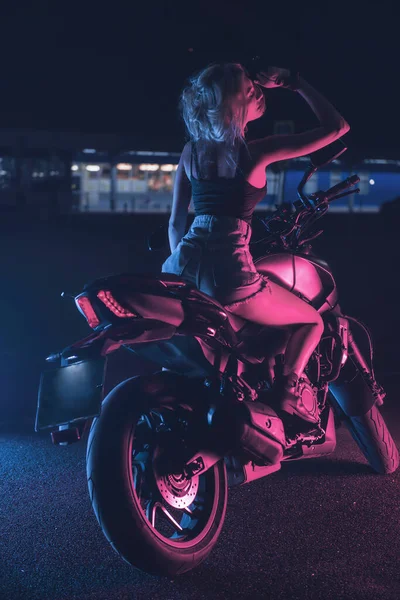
point(219, 180)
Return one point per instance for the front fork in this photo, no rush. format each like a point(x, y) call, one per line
point(355, 387)
point(361, 364)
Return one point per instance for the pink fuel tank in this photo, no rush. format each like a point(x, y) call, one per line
point(306, 276)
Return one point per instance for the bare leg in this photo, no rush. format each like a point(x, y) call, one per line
point(277, 307)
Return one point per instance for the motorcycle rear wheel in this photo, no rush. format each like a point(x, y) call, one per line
point(163, 524)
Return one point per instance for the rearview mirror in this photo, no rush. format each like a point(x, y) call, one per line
point(328, 154)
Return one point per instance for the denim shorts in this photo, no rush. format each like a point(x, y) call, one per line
point(214, 256)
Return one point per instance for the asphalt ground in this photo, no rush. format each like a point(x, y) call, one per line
point(324, 528)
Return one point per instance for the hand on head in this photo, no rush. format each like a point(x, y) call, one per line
point(273, 77)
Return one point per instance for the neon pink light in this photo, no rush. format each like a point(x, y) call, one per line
point(108, 299)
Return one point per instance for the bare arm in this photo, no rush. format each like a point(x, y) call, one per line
point(281, 147)
point(180, 204)
point(325, 112)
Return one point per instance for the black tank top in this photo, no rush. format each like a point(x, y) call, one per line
point(224, 196)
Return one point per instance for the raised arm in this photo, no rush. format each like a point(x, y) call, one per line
point(281, 147)
point(180, 203)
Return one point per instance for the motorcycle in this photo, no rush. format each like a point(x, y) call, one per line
point(164, 447)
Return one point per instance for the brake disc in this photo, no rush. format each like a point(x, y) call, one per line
point(177, 489)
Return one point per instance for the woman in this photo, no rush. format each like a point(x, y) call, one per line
point(225, 177)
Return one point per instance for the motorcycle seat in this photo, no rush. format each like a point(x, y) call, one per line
point(237, 323)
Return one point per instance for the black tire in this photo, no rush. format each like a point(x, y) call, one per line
point(117, 478)
point(374, 440)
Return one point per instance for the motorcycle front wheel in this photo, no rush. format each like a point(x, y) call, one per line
point(373, 438)
point(163, 523)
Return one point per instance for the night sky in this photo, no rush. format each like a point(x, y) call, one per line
point(120, 67)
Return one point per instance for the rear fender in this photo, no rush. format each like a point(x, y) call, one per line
point(102, 343)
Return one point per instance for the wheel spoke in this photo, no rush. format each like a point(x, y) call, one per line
point(141, 488)
point(171, 518)
point(137, 482)
point(151, 512)
point(151, 515)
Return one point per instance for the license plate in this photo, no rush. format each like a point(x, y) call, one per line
point(67, 394)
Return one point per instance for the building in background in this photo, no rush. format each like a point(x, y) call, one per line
point(58, 172)
point(132, 181)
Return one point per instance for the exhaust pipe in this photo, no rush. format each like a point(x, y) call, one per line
point(250, 427)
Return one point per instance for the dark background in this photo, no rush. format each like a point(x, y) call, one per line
point(120, 67)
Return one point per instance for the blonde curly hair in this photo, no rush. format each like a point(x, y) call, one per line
point(212, 105)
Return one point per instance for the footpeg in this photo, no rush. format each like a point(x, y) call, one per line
point(308, 437)
point(65, 436)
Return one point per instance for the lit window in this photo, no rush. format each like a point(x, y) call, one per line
point(149, 167)
point(92, 168)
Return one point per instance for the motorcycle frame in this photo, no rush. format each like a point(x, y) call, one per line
point(142, 331)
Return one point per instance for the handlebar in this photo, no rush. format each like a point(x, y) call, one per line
point(340, 187)
point(287, 228)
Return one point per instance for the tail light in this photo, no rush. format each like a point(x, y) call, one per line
point(87, 310)
point(108, 299)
